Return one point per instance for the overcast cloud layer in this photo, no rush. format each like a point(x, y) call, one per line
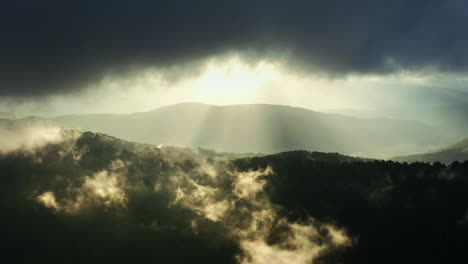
point(51, 47)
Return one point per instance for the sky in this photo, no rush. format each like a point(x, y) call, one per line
point(401, 59)
point(366, 58)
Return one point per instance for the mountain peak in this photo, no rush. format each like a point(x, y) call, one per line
point(200, 105)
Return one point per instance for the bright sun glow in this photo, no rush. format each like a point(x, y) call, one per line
point(229, 80)
point(235, 76)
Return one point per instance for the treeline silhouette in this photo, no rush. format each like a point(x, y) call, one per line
point(396, 212)
point(393, 212)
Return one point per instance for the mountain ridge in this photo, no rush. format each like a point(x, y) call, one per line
point(263, 128)
point(454, 152)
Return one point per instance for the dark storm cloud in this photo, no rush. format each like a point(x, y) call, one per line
point(54, 46)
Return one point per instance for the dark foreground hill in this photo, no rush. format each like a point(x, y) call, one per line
point(455, 152)
point(91, 198)
point(262, 128)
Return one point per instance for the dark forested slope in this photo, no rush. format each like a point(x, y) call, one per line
point(93, 198)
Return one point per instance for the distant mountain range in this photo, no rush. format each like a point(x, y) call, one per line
point(455, 152)
point(262, 128)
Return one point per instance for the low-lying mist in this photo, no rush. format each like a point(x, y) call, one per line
point(144, 195)
point(26, 136)
point(89, 197)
